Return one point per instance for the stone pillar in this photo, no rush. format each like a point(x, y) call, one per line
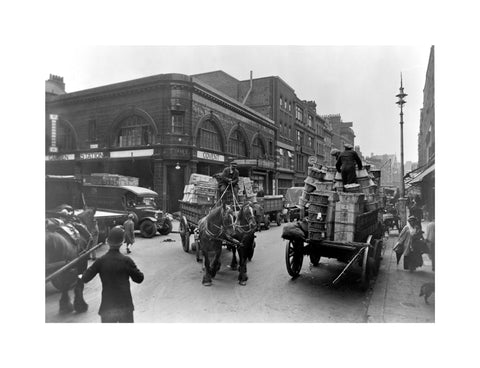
point(402, 211)
point(159, 181)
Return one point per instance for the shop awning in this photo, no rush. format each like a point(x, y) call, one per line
point(419, 178)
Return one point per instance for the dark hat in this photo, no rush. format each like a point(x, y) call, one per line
point(115, 237)
point(347, 145)
point(334, 151)
point(412, 218)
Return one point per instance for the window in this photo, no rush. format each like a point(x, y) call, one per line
point(310, 142)
point(92, 131)
point(289, 106)
point(134, 131)
point(299, 114)
point(209, 137)
point(237, 145)
point(270, 148)
point(290, 131)
point(285, 104)
point(177, 123)
point(281, 101)
point(299, 137)
point(258, 148)
point(281, 128)
point(310, 121)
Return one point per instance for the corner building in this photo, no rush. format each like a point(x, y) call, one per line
point(160, 129)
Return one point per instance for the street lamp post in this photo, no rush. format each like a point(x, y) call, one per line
point(402, 199)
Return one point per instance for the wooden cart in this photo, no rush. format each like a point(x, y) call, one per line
point(365, 249)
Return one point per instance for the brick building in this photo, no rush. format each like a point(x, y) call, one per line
point(160, 129)
point(295, 119)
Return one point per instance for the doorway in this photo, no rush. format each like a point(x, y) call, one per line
point(175, 185)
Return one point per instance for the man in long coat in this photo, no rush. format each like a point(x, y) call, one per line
point(230, 175)
point(346, 165)
point(115, 270)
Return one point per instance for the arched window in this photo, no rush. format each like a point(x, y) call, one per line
point(65, 139)
point(209, 137)
point(258, 148)
point(134, 131)
point(237, 145)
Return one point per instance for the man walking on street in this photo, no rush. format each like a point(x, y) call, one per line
point(346, 165)
point(129, 227)
point(115, 270)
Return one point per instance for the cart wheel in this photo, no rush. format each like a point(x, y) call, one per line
point(377, 255)
point(314, 259)
point(294, 257)
point(367, 265)
point(278, 218)
point(184, 233)
point(148, 229)
point(266, 222)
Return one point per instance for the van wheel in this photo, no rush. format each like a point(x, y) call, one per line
point(148, 229)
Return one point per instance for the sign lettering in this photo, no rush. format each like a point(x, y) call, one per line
point(60, 157)
point(210, 156)
point(90, 155)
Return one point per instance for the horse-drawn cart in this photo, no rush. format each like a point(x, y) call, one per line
point(343, 231)
point(191, 213)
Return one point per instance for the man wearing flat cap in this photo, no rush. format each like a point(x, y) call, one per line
point(229, 175)
point(115, 270)
point(346, 164)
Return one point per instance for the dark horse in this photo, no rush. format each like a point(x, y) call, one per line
point(65, 239)
point(245, 227)
point(214, 229)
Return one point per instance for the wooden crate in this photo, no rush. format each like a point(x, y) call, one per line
point(351, 197)
point(317, 226)
point(344, 216)
point(316, 235)
point(344, 236)
point(318, 208)
point(317, 198)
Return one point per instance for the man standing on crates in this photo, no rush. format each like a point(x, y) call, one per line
point(229, 175)
point(346, 164)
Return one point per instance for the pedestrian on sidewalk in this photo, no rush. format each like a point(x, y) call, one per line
point(410, 245)
point(129, 227)
point(115, 270)
point(430, 239)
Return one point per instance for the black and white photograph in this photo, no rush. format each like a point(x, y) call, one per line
point(207, 192)
point(198, 184)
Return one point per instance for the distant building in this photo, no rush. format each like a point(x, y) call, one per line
point(295, 120)
point(342, 132)
point(422, 178)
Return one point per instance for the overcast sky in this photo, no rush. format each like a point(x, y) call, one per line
point(359, 82)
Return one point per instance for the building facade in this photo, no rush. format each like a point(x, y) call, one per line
point(298, 135)
point(160, 129)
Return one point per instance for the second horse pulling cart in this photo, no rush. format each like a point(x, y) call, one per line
point(191, 213)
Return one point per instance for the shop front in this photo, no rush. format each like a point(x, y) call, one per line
point(260, 171)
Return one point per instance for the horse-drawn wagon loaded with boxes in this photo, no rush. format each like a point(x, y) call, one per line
point(342, 223)
point(199, 197)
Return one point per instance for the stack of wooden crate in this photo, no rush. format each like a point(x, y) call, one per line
point(201, 189)
point(317, 216)
point(347, 209)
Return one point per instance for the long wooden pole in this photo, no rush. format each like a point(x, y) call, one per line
point(73, 262)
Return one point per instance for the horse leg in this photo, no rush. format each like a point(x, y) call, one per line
point(234, 264)
point(66, 305)
point(216, 260)
point(79, 303)
point(207, 278)
point(242, 271)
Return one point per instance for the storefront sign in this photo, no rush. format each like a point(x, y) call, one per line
point(131, 153)
point(91, 155)
point(176, 153)
point(65, 157)
point(210, 156)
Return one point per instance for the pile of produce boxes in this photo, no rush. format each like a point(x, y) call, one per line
point(333, 209)
point(201, 189)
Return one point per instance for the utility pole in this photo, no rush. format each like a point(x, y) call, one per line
point(402, 199)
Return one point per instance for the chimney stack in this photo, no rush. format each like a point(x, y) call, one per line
point(55, 85)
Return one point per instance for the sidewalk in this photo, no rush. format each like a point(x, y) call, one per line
point(395, 296)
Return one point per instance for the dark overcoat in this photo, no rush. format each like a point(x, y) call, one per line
point(115, 270)
point(346, 166)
